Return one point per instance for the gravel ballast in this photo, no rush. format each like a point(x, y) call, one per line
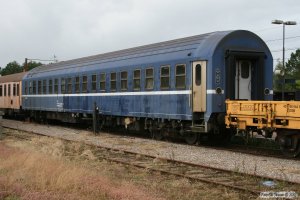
point(265, 166)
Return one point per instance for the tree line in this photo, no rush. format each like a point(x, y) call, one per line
point(291, 73)
point(14, 67)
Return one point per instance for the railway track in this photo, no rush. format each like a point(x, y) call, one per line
point(247, 184)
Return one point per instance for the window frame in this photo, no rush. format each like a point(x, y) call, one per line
point(14, 90)
point(94, 83)
point(62, 85)
point(69, 85)
point(124, 80)
point(179, 76)
point(77, 84)
point(102, 83)
point(164, 77)
point(84, 83)
point(56, 86)
point(149, 78)
point(50, 86)
point(137, 79)
point(44, 90)
point(113, 81)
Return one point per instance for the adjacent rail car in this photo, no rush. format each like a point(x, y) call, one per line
point(273, 117)
point(174, 87)
point(10, 93)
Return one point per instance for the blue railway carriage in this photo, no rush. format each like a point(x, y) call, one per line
point(174, 87)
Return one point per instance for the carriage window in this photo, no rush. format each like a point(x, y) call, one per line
point(77, 89)
point(25, 88)
point(137, 79)
point(69, 87)
point(56, 86)
point(33, 87)
point(113, 81)
point(94, 83)
point(30, 87)
point(44, 87)
point(8, 90)
point(1, 91)
point(149, 79)
point(39, 87)
point(50, 87)
point(5, 90)
point(14, 89)
point(245, 70)
point(84, 83)
point(102, 82)
point(198, 74)
point(63, 86)
point(165, 77)
point(18, 89)
point(180, 76)
point(123, 81)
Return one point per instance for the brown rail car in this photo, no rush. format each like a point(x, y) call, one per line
point(10, 93)
point(279, 117)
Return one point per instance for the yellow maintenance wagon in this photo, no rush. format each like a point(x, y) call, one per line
point(281, 118)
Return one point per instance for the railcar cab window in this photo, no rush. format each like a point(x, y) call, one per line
point(165, 77)
point(69, 87)
point(102, 82)
point(94, 83)
point(137, 79)
point(44, 86)
point(5, 90)
point(77, 90)
point(56, 86)
point(1, 88)
point(180, 76)
point(84, 84)
point(63, 85)
point(198, 75)
point(124, 81)
point(245, 70)
point(113, 81)
point(149, 79)
point(50, 87)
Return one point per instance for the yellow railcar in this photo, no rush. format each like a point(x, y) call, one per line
point(279, 117)
point(11, 93)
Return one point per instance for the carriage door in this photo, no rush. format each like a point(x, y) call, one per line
point(243, 80)
point(199, 86)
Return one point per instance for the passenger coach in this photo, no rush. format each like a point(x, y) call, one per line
point(174, 87)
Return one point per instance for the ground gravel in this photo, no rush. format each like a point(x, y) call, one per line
point(266, 166)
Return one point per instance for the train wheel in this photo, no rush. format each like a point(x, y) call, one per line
point(191, 138)
point(157, 134)
point(289, 145)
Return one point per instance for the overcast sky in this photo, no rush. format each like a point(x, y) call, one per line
point(72, 29)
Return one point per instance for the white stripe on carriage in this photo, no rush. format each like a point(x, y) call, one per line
point(177, 92)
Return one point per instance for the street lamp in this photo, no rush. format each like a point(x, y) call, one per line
point(276, 21)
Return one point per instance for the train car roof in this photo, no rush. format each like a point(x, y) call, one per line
point(12, 77)
point(199, 46)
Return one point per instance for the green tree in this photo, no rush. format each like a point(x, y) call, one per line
point(32, 64)
point(293, 65)
point(277, 79)
point(11, 68)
